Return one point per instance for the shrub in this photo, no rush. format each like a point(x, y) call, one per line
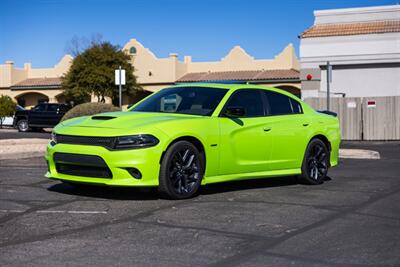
point(88, 109)
point(7, 108)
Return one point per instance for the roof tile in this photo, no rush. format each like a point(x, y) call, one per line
point(39, 82)
point(325, 30)
point(246, 75)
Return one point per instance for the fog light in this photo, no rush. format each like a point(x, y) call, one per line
point(135, 173)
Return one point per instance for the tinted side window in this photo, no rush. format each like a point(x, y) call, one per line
point(64, 108)
point(278, 104)
point(41, 107)
point(250, 100)
point(52, 108)
point(296, 106)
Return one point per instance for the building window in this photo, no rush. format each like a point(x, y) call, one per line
point(132, 50)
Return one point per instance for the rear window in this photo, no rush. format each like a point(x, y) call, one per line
point(280, 104)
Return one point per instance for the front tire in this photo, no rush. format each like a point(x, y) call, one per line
point(181, 171)
point(23, 125)
point(315, 163)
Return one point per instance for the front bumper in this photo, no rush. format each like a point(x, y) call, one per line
point(146, 160)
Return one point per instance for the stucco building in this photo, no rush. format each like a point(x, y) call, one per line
point(29, 85)
point(362, 45)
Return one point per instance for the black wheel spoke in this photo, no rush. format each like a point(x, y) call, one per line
point(184, 171)
point(317, 162)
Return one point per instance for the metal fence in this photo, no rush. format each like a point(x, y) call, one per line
point(368, 118)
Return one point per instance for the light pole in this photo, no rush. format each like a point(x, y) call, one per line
point(328, 84)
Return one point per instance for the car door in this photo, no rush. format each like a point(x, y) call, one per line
point(289, 131)
point(62, 109)
point(37, 114)
point(53, 114)
point(244, 142)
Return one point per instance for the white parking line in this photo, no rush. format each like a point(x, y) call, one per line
point(60, 211)
point(72, 211)
point(11, 211)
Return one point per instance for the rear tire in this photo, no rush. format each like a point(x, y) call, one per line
point(315, 163)
point(181, 171)
point(23, 125)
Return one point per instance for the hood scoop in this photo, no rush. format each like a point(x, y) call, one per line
point(103, 118)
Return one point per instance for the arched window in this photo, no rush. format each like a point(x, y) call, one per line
point(132, 50)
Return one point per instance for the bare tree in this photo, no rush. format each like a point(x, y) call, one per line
point(78, 44)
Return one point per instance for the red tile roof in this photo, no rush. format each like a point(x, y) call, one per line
point(246, 75)
point(38, 82)
point(325, 30)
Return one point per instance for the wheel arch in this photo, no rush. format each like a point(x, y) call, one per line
point(21, 117)
point(195, 141)
point(324, 139)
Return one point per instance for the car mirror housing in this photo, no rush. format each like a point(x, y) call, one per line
point(235, 112)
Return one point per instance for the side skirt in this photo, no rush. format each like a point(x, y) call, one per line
point(251, 175)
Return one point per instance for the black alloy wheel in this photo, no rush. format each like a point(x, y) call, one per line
point(315, 163)
point(181, 171)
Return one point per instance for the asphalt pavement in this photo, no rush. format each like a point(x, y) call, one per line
point(353, 219)
point(9, 133)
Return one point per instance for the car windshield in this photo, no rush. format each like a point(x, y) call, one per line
point(183, 100)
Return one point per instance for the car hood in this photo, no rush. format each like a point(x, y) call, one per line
point(124, 120)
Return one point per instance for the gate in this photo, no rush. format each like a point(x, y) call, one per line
point(381, 118)
point(369, 118)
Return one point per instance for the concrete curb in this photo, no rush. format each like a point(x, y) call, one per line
point(358, 154)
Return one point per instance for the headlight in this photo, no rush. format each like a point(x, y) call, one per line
point(136, 141)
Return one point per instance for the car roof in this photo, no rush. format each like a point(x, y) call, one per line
point(234, 86)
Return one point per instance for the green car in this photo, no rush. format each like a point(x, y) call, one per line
point(195, 134)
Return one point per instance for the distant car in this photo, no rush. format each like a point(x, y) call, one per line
point(190, 135)
point(9, 121)
point(44, 115)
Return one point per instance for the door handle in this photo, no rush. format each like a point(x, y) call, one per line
point(305, 124)
point(267, 129)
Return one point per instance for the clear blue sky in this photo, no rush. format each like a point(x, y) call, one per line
point(37, 31)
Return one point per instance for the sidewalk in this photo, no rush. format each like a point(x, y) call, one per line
point(22, 148)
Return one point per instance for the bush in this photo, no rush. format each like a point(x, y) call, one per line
point(7, 108)
point(88, 109)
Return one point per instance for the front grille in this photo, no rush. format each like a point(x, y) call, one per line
point(81, 165)
point(107, 142)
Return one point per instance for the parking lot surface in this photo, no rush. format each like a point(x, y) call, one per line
point(353, 219)
point(9, 133)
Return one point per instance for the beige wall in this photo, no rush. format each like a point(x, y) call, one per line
point(58, 70)
point(153, 73)
point(151, 70)
point(10, 75)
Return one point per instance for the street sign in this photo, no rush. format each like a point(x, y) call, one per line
point(120, 80)
point(118, 75)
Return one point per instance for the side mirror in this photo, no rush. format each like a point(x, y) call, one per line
point(234, 112)
point(129, 106)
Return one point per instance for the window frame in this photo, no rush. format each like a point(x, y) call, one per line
point(290, 102)
point(263, 101)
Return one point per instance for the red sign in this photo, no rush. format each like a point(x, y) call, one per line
point(371, 103)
